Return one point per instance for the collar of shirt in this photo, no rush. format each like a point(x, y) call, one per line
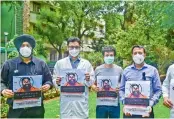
point(78, 59)
point(33, 60)
point(144, 66)
point(74, 63)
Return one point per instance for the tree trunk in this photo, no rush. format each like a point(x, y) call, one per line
point(60, 52)
point(26, 16)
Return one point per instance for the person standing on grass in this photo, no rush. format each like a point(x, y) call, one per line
point(24, 65)
point(108, 109)
point(140, 71)
point(74, 109)
point(166, 87)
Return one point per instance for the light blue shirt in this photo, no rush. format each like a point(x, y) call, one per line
point(131, 73)
point(75, 63)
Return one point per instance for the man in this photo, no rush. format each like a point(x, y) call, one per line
point(136, 93)
point(74, 109)
point(166, 89)
point(140, 71)
point(27, 86)
point(25, 64)
point(72, 81)
point(107, 109)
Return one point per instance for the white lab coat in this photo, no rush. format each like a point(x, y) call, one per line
point(74, 109)
point(166, 86)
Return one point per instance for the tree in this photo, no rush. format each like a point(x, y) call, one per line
point(77, 18)
point(142, 23)
point(54, 29)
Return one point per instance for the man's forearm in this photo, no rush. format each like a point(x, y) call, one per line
point(155, 98)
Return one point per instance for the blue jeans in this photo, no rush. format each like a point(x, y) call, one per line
point(103, 111)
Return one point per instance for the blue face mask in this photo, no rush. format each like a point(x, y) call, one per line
point(109, 59)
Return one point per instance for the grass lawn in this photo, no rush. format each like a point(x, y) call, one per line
point(52, 108)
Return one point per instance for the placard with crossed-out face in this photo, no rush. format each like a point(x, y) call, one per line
point(137, 94)
point(72, 84)
point(107, 90)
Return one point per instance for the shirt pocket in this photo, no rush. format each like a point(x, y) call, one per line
point(39, 71)
point(149, 78)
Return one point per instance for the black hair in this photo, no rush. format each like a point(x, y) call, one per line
point(73, 39)
point(139, 46)
point(135, 85)
point(108, 49)
point(22, 79)
point(106, 80)
point(71, 74)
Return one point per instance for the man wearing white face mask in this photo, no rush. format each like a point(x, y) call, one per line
point(106, 109)
point(24, 65)
point(140, 71)
point(74, 109)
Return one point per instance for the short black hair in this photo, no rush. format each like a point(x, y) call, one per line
point(135, 85)
point(73, 39)
point(105, 80)
point(108, 49)
point(139, 46)
point(71, 74)
point(22, 79)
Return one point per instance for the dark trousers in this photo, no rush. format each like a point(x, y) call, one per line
point(139, 116)
point(32, 112)
point(108, 111)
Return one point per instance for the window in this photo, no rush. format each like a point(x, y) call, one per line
point(53, 55)
point(36, 7)
point(34, 28)
point(101, 31)
point(86, 41)
point(101, 27)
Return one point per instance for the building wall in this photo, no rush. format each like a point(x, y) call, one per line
point(99, 33)
point(35, 7)
point(11, 20)
point(7, 22)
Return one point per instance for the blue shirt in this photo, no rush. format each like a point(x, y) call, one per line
point(75, 63)
point(131, 73)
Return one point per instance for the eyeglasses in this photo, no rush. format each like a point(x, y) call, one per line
point(107, 55)
point(74, 47)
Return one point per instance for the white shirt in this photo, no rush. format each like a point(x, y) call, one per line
point(74, 109)
point(166, 86)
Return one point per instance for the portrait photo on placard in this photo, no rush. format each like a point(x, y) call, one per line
point(27, 91)
point(137, 89)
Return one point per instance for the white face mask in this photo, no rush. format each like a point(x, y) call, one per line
point(138, 59)
point(74, 52)
point(25, 51)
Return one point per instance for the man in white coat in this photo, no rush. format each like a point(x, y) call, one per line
point(74, 109)
point(168, 90)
